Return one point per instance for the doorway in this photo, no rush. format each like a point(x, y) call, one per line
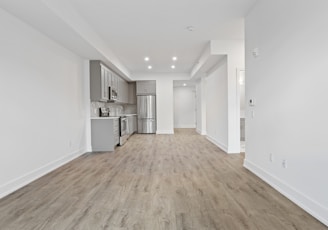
point(184, 104)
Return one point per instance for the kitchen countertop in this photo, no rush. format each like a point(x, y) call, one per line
point(103, 118)
point(112, 117)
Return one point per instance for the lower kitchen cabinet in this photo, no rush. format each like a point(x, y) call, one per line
point(135, 124)
point(132, 124)
point(104, 133)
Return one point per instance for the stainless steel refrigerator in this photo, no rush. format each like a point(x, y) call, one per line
point(146, 106)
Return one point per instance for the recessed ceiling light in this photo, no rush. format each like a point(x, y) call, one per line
point(149, 67)
point(172, 66)
point(146, 58)
point(184, 84)
point(174, 58)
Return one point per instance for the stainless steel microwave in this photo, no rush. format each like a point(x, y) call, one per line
point(112, 94)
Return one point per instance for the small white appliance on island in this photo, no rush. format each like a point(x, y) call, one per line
point(103, 112)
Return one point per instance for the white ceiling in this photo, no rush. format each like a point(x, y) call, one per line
point(135, 29)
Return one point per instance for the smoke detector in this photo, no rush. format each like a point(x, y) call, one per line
point(190, 28)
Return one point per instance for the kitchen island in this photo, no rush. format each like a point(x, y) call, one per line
point(105, 133)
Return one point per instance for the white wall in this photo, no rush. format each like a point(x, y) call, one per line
point(184, 107)
point(201, 106)
point(42, 99)
point(66, 13)
point(289, 83)
point(235, 51)
point(217, 106)
point(164, 105)
point(164, 98)
point(242, 95)
point(198, 106)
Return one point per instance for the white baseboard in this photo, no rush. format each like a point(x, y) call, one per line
point(201, 132)
point(89, 149)
point(217, 143)
point(234, 149)
point(23, 180)
point(309, 205)
point(185, 126)
point(225, 148)
point(165, 131)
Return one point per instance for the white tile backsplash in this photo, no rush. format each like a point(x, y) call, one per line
point(94, 108)
point(114, 109)
point(130, 109)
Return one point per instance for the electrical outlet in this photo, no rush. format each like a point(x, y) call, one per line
point(284, 164)
point(256, 52)
point(271, 157)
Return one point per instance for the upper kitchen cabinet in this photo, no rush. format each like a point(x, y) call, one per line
point(132, 93)
point(114, 81)
point(123, 91)
point(146, 87)
point(100, 80)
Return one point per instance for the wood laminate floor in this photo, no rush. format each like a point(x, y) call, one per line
point(153, 182)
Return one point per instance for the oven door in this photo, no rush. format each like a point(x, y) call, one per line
point(123, 130)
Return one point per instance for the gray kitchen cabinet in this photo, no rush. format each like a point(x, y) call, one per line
point(114, 81)
point(123, 91)
point(128, 125)
point(106, 81)
point(146, 87)
point(100, 77)
point(132, 93)
point(135, 122)
point(104, 134)
point(119, 90)
point(116, 131)
point(131, 124)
